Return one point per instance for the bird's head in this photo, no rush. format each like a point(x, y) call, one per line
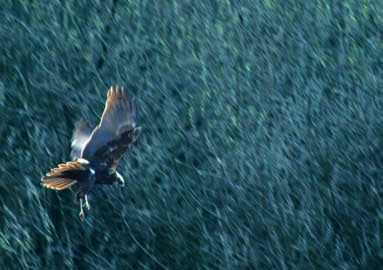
point(118, 181)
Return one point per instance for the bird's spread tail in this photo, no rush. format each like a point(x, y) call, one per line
point(65, 175)
point(57, 183)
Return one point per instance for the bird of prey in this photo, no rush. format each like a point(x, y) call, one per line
point(96, 155)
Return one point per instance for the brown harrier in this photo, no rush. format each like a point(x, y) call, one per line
point(97, 154)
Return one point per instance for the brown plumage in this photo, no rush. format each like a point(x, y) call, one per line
point(96, 155)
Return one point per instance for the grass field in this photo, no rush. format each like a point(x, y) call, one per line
point(262, 133)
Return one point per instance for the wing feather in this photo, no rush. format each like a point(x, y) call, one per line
point(116, 130)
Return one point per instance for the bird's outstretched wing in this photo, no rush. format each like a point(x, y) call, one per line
point(80, 138)
point(116, 131)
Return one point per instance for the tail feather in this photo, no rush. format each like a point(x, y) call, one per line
point(57, 183)
point(65, 175)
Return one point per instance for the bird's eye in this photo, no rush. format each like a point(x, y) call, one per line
point(110, 172)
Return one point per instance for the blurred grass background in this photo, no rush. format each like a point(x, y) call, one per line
point(262, 133)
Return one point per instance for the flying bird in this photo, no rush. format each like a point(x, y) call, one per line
point(96, 154)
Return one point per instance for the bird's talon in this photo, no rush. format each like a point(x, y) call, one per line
point(87, 203)
point(82, 216)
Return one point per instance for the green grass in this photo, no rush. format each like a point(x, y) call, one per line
point(262, 134)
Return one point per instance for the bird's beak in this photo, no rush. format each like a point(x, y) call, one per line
point(120, 181)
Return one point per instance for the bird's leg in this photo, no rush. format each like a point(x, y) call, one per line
point(82, 216)
point(86, 202)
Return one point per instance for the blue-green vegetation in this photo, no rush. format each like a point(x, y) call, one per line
point(262, 133)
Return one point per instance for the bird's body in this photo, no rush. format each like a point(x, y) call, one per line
point(97, 154)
